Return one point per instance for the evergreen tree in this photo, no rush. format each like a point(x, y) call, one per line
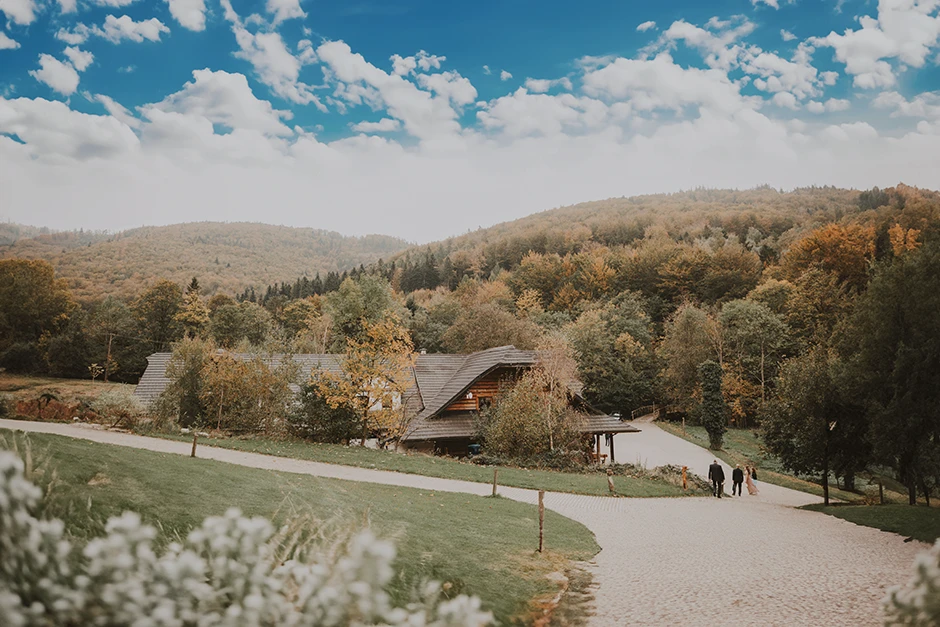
point(713, 412)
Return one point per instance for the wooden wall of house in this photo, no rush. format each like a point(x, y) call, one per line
point(485, 388)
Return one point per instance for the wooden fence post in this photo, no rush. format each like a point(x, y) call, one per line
point(685, 481)
point(495, 472)
point(881, 492)
point(683, 425)
point(541, 519)
point(195, 434)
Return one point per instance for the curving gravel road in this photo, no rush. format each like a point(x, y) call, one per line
point(692, 561)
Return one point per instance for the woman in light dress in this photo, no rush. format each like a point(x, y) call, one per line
point(749, 474)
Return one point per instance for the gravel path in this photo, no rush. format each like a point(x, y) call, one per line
point(692, 561)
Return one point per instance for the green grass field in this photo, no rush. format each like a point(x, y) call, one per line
point(447, 468)
point(482, 546)
point(919, 522)
point(742, 446)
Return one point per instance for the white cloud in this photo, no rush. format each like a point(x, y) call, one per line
point(53, 132)
point(285, 10)
point(905, 30)
point(786, 35)
point(833, 104)
point(776, 74)
point(523, 114)
point(659, 83)
point(504, 75)
point(785, 99)
point(225, 99)
point(428, 62)
point(775, 4)
point(274, 64)
point(718, 42)
point(422, 115)
point(21, 12)
point(80, 59)
point(542, 85)
point(115, 109)
point(402, 66)
point(645, 26)
point(114, 4)
point(487, 70)
point(68, 6)
point(78, 35)
point(59, 76)
point(925, 105)
point(385, 125)
point(117, 29)
point(450, 85)
point(6, 43)
point(189, 14)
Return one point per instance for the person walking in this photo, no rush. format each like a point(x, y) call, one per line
point(749, 481)
point(737, 480)
point(717, 475)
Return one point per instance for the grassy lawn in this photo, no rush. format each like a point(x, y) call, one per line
point(447, 468)
point(742, 446)
point(482, 546)
point(919, 522)
point(17, 387)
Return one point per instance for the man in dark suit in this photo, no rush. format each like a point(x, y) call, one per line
point(717, 475)
point(737, 479)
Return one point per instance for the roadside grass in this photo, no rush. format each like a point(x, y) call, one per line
point(590, 483)
point(21, 386)
point(742, 446)
point(917, 521)
point(480, 546)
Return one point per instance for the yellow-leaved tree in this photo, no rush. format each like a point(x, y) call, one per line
point(374, 376)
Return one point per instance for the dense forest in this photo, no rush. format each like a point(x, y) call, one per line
point(227, 257)
point(813, 314)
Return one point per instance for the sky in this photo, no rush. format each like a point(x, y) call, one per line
point(424, 119)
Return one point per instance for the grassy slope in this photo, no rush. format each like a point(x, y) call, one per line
point(17, 387)
point(920, 522)
point(431, 466)
point(741, 446)
point(483, 546)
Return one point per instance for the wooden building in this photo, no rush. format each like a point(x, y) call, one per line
point(445, 399)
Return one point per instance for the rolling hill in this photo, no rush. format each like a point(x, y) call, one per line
point(226, 257)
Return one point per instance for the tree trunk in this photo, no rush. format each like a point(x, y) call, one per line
point(849, 480)
point(107, 361)
point(912, 492)
point(926, 490)
point(763, 397)
point(825, 476)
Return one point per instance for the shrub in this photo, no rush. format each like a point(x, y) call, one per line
point(118, 405)
point(228, 571)
point(22, 358)
point(917, 603)
point(314, 419)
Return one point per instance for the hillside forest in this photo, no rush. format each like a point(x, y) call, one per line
point(227, 257)
point(812, 315)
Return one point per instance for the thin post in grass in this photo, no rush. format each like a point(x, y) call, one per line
point(541, 519)
point(495, 473)
point(195, 435)
point(881, 491)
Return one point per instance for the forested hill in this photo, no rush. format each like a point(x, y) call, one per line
point(227, 257)
point(764, 212)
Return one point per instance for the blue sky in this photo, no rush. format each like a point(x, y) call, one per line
point(425, 119)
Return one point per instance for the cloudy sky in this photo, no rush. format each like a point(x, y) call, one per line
point(423, 118)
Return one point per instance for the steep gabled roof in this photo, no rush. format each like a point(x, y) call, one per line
point(473, 367)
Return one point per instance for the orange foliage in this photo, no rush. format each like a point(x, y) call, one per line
point(843, 250)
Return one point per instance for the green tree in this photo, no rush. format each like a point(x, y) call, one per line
point(356, 304)
point(487, 325)
point(755, 338)
point(685, 346)
point(183, 395)
point(314, 419)
point(892, 343)
point(155, 311)
point(810, 426)
point(110, 320)
point(713, 412)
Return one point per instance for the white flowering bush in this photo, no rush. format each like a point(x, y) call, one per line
point(917, 603)
point(226, 573)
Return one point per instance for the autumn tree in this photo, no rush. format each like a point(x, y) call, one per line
point(357, 304)
point(712, 412)
point(182, 397)
point(846, 251)
point(756, 340)
point(110, 319)
point(32, 301)
point(486, 325)
point(155, 312)
point(193, 314)
point(557, 369)
point(314, 419)
point(247, 394)
point(374, 376)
